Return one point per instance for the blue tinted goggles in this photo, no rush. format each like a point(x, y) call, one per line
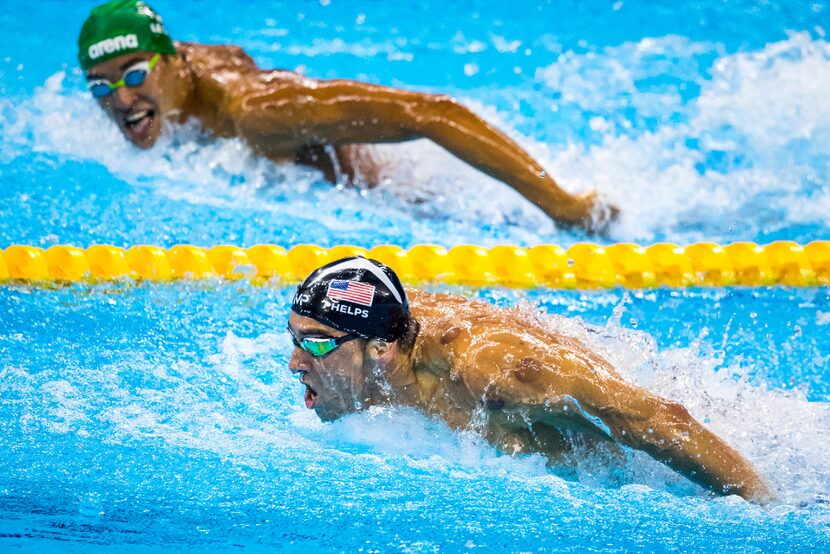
point(133, 76)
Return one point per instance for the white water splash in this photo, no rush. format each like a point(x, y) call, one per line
point(611, 79)
point(751, 155)
point(241, 405)
point(782, 433)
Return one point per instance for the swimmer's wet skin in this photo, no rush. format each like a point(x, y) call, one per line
point(288, 117)
point(454, 358)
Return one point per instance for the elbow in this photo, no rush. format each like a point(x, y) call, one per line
point(435, 105)
point(443, 104)
point(431, 114)
point(668, 428)
point(674, 412)
point(443, 100)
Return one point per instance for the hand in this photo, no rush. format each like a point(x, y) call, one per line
point(601, 214)
point(589, 212)
point(758, 492)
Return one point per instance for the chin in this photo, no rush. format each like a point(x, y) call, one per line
point(327, 415)
point(145, 145)
point(327, 418)
point(330, 415)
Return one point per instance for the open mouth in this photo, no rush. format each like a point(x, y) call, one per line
point(310, 397)
point(137, 124)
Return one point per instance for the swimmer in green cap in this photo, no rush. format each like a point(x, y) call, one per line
point(142, 79)
point(361, 339)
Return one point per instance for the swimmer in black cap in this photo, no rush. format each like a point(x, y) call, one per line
point(359, 342)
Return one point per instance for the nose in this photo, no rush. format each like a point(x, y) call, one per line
point(299, 364)
point(124, 97)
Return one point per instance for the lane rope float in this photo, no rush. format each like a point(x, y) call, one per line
point(582, 266)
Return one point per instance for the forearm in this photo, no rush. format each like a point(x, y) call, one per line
point(673, 437)
point(474, 141)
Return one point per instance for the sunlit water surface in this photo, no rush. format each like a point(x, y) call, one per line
point(154, 417)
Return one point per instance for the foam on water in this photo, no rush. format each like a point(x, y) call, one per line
point(241, 402)
point(780, 431)
point(653, 76)
point(751, 148)
point(187, 166)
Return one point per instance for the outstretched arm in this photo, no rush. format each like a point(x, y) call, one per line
point(665, 430)
point(562, 380)
point(345, 112)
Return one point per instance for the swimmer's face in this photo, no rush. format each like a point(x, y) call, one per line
point(136, 110)
point(335, 384)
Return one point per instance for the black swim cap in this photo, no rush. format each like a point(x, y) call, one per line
point(355, 295)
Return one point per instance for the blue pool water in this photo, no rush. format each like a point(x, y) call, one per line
point(158, 417)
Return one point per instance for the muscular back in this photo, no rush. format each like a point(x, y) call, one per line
point(457, 333)
point(502, 360)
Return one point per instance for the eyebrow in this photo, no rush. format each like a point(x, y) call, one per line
point(311, 332)
point(132, 61)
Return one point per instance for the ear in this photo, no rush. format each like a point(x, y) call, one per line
point(378, 350)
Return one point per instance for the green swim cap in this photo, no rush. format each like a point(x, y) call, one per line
point(121, 27)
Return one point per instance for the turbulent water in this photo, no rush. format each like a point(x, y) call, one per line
point(163, 416)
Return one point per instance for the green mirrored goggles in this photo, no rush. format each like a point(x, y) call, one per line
point(320, 346)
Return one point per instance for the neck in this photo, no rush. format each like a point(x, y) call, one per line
point(179, 86)
point(397, 383)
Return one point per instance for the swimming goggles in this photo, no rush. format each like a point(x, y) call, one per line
point(133, 77)
point(320, 346)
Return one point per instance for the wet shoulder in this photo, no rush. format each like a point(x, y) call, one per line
point(484, 342)
point(208, 58)
point(443, 329)
point(449, 310)
point(431, 304)
point(227, 76)
point(455, 328)
point(228, 63)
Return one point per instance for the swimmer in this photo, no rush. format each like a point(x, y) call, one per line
point(361, 340)
point(142, 80)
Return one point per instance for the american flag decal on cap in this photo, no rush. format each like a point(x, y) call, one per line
point(351, 291)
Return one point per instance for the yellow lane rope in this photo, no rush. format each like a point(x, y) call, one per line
point(583, 265)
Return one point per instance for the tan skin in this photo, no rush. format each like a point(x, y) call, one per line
point(472, 359)
point(286, 116)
